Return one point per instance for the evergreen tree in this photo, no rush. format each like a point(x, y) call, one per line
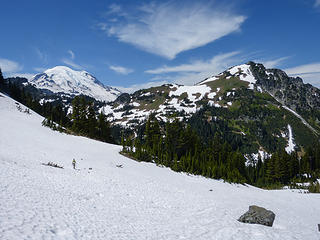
point(152, 134)
point(91, 122)
point(76, 120)
point(103, 128)
point(270, 169)
point(123, 142)
point(2, 82)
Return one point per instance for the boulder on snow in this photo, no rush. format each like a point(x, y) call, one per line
point(258, 215)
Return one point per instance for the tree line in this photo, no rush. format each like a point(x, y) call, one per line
point(178, 146)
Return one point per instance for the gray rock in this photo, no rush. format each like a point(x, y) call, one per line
point(258, 215)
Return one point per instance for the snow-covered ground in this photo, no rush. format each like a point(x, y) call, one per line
point(244, 73)
point(137, 201)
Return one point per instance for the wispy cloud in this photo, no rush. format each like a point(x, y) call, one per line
point(72, 55)
point(8, 66)
point(71, 63)
point(136, 87)
point(310, 73)
point(196, 71)
point(168, 28)
point(317, 3)
point(115, 9)
point(273, 63)
point(304, 69)
point(120, 69)
point(41, 55)
point(215, 64)
point(25, 75)
point(12, 69)
point(39, 69)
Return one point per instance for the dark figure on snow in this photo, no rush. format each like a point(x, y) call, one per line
point(74, 163)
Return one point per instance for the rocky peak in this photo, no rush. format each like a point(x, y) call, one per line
point(290, 91)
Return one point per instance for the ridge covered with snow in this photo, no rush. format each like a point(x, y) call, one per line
point(179, 98)
point(243, 72)
point(62, 79)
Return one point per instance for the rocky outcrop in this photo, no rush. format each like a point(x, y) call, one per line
point(290, 91)
point(258, 215)
point(124, 98)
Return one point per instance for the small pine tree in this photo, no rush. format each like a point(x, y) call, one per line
point(2, 83)
point(75, 118)
point(123, 143)
point(103, 128)
point(91, 123)
point(314, 187)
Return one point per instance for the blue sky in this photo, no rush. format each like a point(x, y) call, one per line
point(136, 44)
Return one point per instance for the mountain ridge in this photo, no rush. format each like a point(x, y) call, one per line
point(242, 101)
point(246, 76)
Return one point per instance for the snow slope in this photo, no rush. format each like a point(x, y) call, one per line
point(243, 72)
point(62, 79)
point(290, 147)
point(138, 201)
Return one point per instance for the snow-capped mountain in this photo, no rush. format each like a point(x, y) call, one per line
point(186, 100)
point(218, 91)
point(62, 79)
point(244, 100)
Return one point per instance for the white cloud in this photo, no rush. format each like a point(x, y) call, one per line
point(136, 87)
point(114, 9)
point(273, 63)
point(12, 69)
point(121, 70)
point(71, 61)
point(25, 75)
point(102, 26)
point(310, 73)
point(196, 71)
point(317, 3)
point(304, 69)
point(8, 66)
point(71, 54)
point(41, 55)
point(39, 69)
point(166, 29)
point(72, 64)
point(215, 64)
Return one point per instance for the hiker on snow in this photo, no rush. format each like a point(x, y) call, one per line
point(74, 163)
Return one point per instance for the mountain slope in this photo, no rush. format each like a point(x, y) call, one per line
point(250, 105)
point(64, 80)
point(137, 201)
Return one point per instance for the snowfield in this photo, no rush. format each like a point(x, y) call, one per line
point(137, 201)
